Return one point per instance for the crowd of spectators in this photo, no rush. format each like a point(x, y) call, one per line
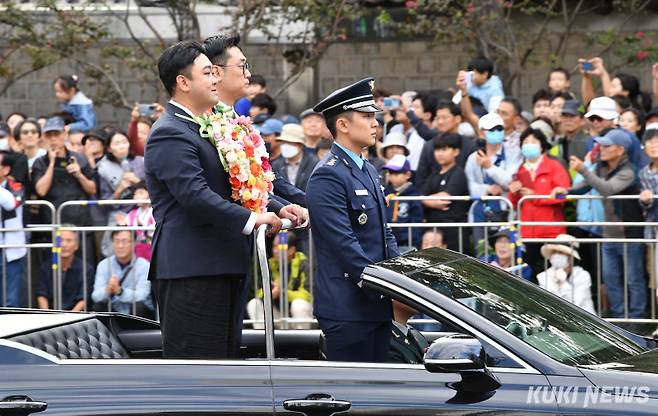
point(467, 139)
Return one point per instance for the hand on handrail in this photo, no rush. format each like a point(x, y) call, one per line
point(296, 214)
point(559, 192)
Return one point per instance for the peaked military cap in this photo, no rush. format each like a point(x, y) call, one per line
point(355, 97)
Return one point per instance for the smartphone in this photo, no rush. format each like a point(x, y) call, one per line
point(468, 79)
point(587, 66)
point(146, 110)
point(391, 103)
point(594, 153)
point(481, 145)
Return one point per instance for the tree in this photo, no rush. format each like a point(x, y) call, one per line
point(304, 29)
point(44, 37)
point(514, 33)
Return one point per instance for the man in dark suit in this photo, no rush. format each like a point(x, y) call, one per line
point(348, 218)
point(295, 165)
point(408, 345)
point(232, 68)
point(201, 248)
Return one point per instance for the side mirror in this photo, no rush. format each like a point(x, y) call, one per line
point(465, 355)
point(454, 354)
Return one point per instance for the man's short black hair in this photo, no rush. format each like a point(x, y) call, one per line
point(561, 70)
point(451, 140)
point(258, 80)
point(428, 102)
point(518, 109)
point(177, 60)
point(7, 158)
point(540, 95)
point(331, 121)
point(263, 100)
point(481, 64)
point(452, 107)
point(217, 47)
point(561, 94)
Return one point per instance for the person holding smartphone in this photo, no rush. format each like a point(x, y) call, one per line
point(63, 175)
point(142, 118)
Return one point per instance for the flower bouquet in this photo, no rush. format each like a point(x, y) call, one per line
point(243, 155)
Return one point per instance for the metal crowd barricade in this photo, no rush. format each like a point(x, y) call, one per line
point(285, 319)
point(598, 242)
point(83, 230)
point(37, 228)
point(474, 200)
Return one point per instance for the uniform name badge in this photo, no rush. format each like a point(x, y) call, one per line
point(363, 218)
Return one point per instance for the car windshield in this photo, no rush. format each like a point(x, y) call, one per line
point(555, 327)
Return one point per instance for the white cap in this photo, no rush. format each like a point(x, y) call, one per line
point(489, 121)
point(604, 107)
point(651, 126)
point(395, 138)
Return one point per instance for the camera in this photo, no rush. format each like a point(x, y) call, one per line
point(391, 103)
point(146, 110)
point(587, 66)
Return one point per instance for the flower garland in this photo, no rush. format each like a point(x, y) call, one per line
point(242, 153)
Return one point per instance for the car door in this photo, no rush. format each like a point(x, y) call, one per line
point(401, 389)
point(406, 389)
point(134, 387)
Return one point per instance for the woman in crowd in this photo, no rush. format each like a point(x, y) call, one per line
point(140, 126)
point(564, 278)
point(119, 170)
point(632, 120)
point(538, 175)
point(75, 102)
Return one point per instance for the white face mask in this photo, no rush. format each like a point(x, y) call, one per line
point(559, 261)
point(4, 144)
point(289, 150)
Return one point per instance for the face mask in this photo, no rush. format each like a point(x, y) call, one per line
point(559, 261)
point(289, 150)
point(531, 151)
point(494, 137)
point(4, 144)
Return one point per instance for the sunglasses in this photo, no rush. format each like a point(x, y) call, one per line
point(595, 119)
point(496, 128)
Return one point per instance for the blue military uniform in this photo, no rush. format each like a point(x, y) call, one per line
point(348, 218)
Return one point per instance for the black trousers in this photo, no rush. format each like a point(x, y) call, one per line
point(356, 341)
point(199, 316)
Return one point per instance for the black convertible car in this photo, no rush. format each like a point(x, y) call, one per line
point(504, 347)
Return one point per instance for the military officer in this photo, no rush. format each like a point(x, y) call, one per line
point(408, 345)
point(347, 211)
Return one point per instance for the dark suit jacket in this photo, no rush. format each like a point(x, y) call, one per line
point(406, 349)
point(199, 227)
point(306, 166)
point(339, 194)
point(285, 192)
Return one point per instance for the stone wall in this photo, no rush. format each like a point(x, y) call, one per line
point(397, 66)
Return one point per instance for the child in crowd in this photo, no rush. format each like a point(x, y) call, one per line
point(75, 102)
point(450, 180)
point(399, 184)
point(140, 216)
point(506, 253)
